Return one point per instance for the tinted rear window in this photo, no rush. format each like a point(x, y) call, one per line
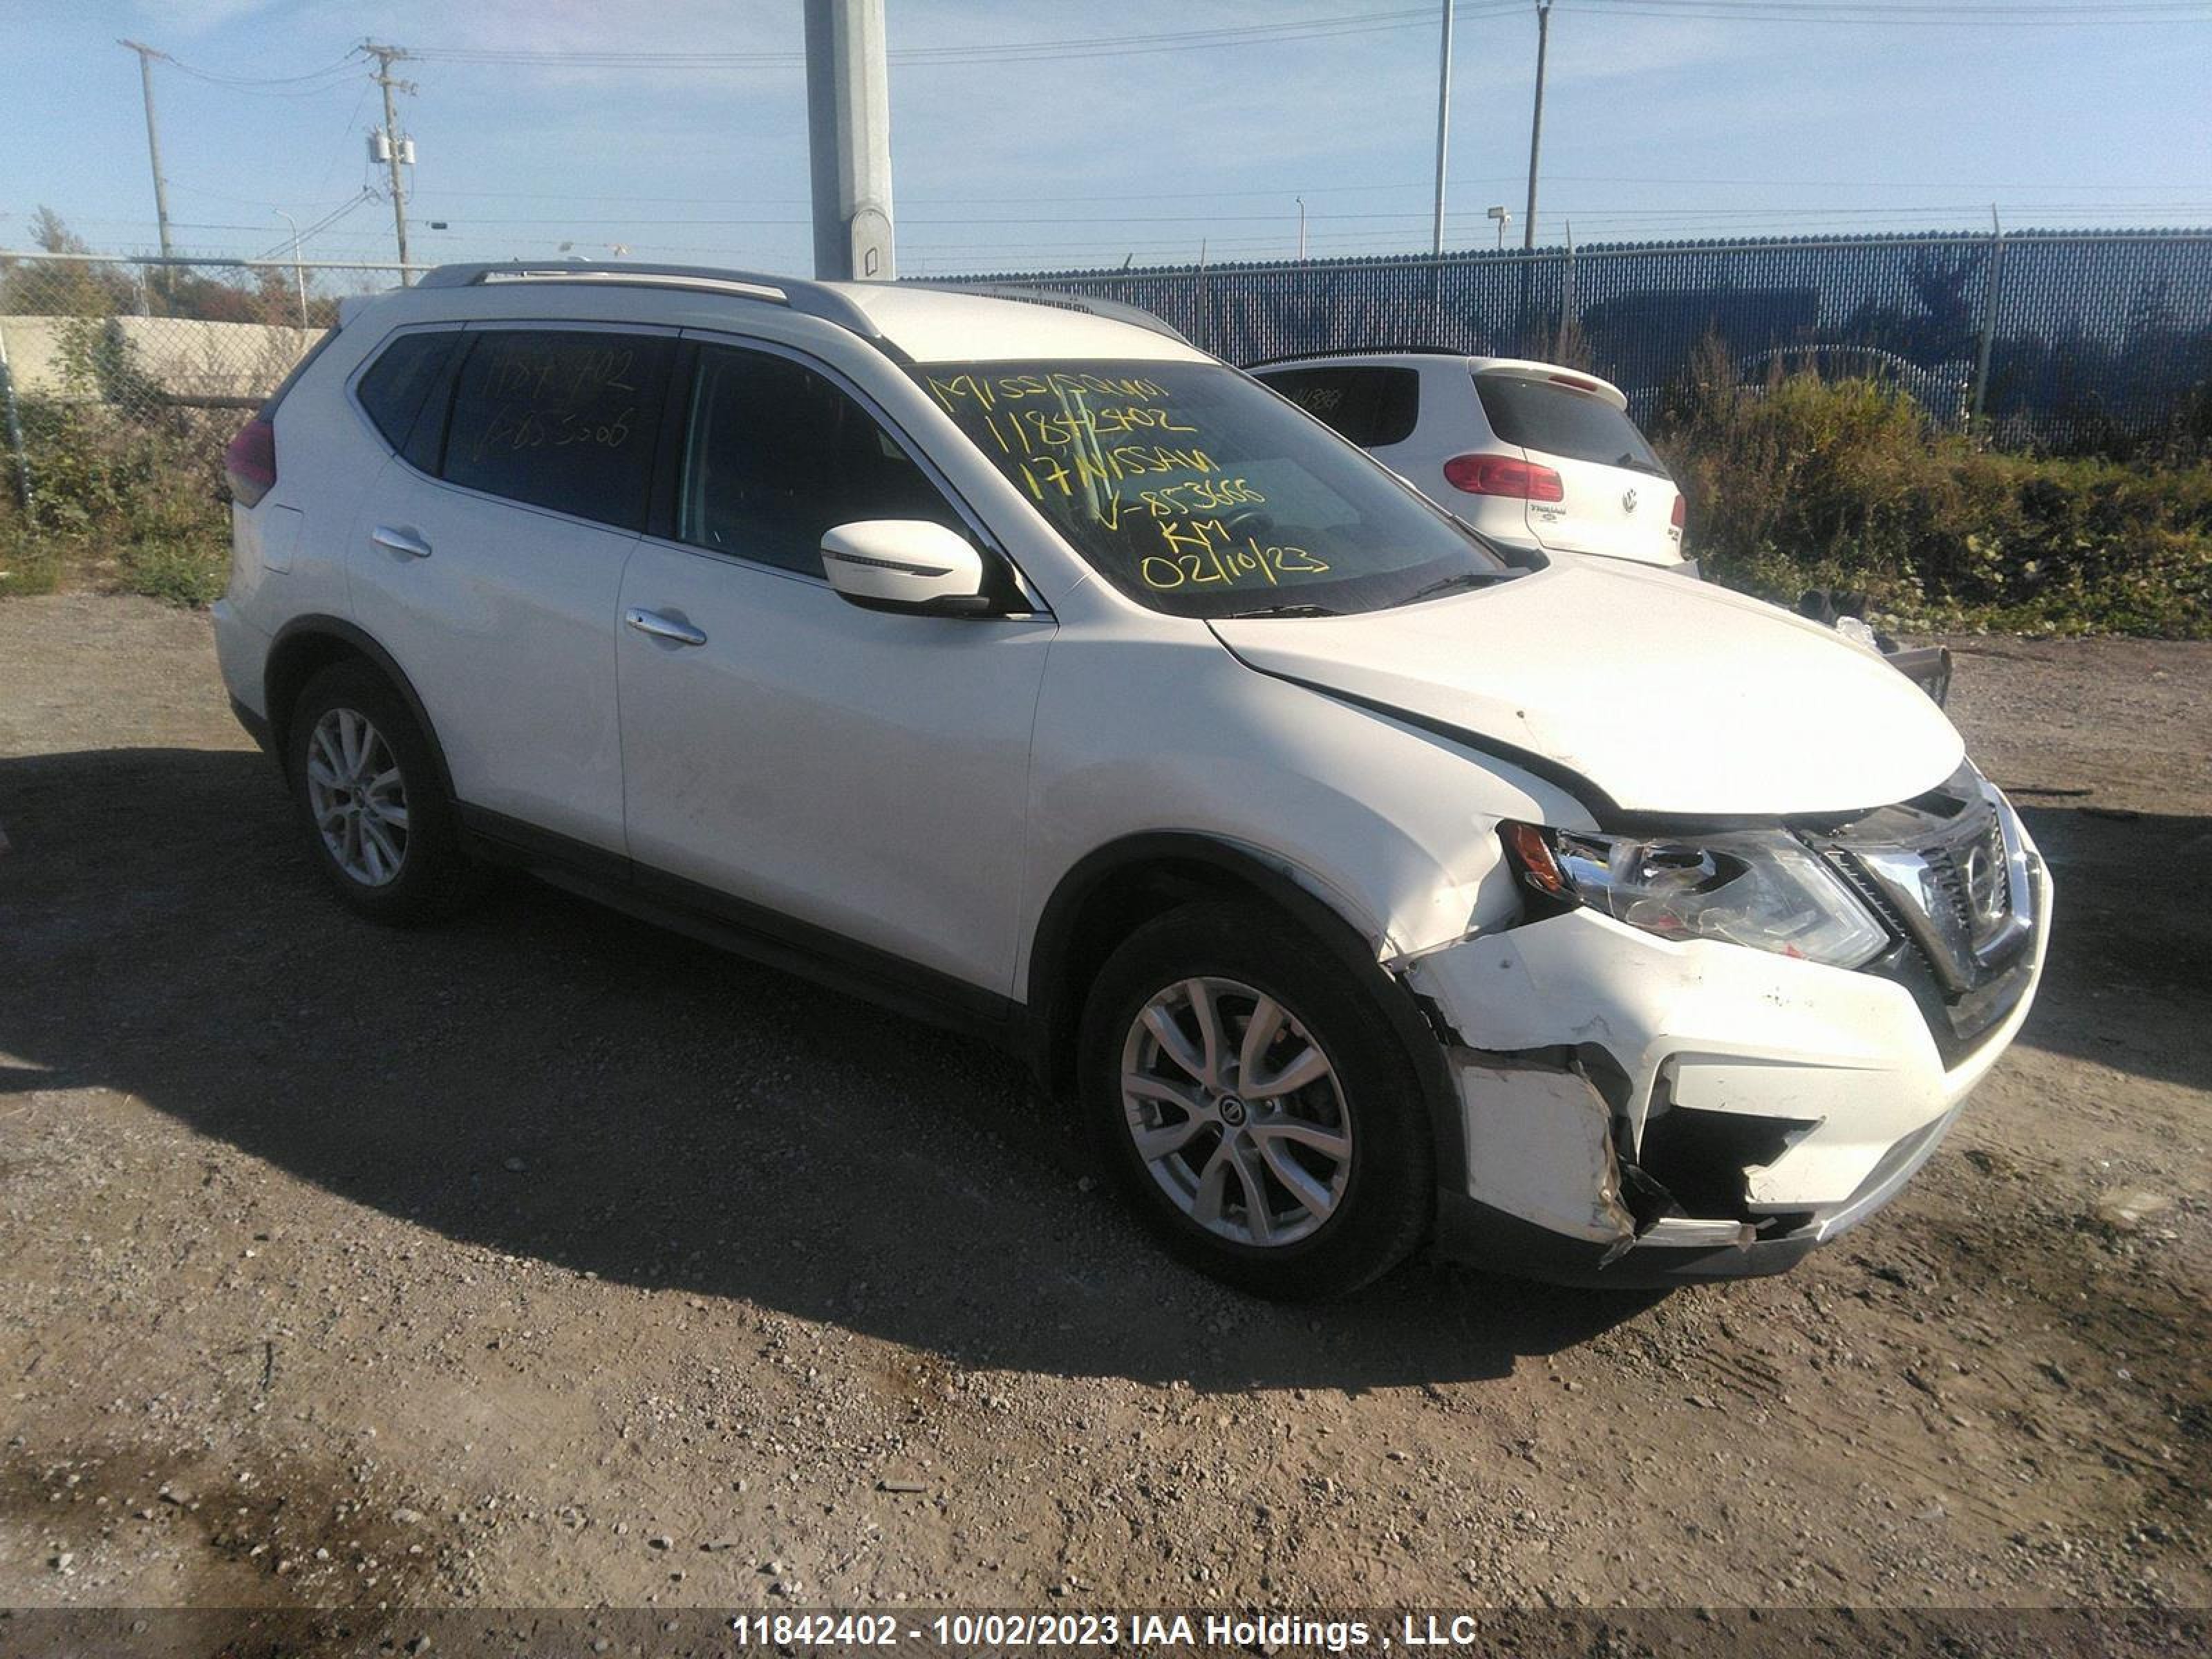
point(1558, 420)
point(1370, 406)
point(392, 391)
point(560, 419)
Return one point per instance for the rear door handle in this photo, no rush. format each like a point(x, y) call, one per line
point(400, 541)
point(662, 628)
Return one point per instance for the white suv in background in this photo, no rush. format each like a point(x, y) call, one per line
point(1028, 670)
point(1530, 454)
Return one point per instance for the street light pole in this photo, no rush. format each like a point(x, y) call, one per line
point(298, 276)
point(1444, 127)
point(1302, 229)
point(849, 128)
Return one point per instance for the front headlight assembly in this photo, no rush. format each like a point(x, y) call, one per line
point(1760, 888)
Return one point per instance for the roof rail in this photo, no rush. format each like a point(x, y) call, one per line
point(808, 298)
point(1119, 310)
point(1361, 351)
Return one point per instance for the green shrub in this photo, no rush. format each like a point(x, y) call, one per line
point(132, 499)
point(1804, 483)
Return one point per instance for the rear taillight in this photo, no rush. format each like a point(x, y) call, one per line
point(250, 461)
point(1682, 514)
point(1504, 475)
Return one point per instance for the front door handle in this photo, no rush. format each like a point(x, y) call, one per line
point(662, 628)
point(400, 541)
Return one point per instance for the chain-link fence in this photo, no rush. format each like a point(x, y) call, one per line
point(2091, 340)
point(120, 382)
point(122, 378)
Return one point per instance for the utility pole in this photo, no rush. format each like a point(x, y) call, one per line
point(1444, 128)
point(385, 57)
point(848, 132)
point(1536, 123)
point(146, 56)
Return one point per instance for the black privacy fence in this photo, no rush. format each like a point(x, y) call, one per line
point(2046, 339)
point(121, 377)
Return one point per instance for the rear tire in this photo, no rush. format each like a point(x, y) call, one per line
point(1290, 1155)
point(365, 785)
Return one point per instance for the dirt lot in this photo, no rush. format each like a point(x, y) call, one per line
point(546, 1260)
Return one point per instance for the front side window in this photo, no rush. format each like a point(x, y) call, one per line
point(1555, 418)
point(564, 419)
point(1374, 407)
point(1196, 490)
point(775, 455)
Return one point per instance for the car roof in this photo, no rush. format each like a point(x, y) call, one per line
point(1524, 368)
point(918, 322)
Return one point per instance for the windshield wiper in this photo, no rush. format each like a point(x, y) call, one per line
point(1464, 578)
point(1284, 610)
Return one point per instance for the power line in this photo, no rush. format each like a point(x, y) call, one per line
point(314, 84)
point(1898, 13)
point(344, 68)
point(2004, 8)
point(1291, 30)
point(255, 201)
point(2127, 14)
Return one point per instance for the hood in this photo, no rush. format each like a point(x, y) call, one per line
point(1668, 696)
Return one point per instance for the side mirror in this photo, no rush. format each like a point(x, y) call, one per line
point(906, 564)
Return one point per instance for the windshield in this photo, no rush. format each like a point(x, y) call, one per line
point(1554, 419)
point(1202, 494)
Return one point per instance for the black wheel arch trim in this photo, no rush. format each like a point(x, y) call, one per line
point(1053, 1008)
point(360, 640)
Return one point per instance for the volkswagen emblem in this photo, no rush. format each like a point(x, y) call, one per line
point(1628, 502)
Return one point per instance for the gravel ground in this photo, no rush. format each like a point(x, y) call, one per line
point(545, 1260)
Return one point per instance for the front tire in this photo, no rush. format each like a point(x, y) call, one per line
point(1254, 1101)
point(366, 789)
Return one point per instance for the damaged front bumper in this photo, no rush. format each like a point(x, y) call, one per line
point(1631, 1110)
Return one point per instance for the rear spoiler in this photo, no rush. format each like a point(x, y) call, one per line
point(1588, 384)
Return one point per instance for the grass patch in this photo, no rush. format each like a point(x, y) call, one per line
point(28, 563)
point(181, 573)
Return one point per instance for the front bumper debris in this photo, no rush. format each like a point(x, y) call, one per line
point(1635, 1110)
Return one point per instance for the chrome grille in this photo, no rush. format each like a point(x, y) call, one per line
point(1969, 875)
point(1958, 883)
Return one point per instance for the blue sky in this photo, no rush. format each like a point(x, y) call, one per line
point(1658, 123)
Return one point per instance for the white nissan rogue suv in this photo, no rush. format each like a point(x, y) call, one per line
point(1025, 668)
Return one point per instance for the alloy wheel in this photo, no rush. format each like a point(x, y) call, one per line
point(1236, 1112)
point(357, 797)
